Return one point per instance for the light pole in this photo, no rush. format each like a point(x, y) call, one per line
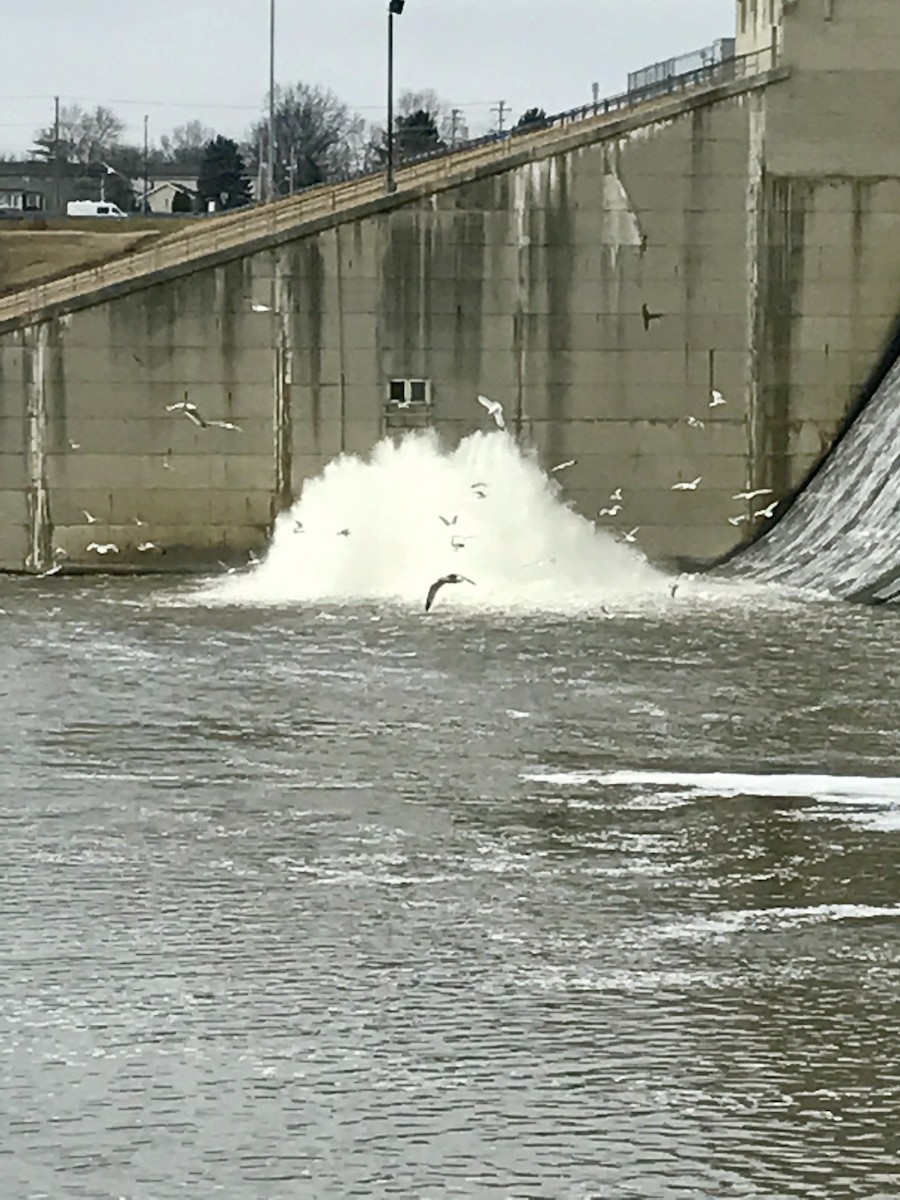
point(395, 8)
point(270, 149)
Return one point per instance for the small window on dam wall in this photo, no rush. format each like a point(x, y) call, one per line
point(408, 404)
point(409, 393)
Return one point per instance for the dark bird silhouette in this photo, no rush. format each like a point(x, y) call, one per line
point(649, 316)
point(439, 583)
point(447, 520)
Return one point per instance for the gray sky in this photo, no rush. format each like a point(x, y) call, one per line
point(208, 59)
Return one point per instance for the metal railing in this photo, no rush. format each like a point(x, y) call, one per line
point(716, 52)
point(232, 230)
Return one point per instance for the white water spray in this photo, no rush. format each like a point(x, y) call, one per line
point(373, 529)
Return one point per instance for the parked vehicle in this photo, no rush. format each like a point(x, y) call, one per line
point(93, 208)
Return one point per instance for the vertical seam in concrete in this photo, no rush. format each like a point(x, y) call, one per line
point(754, 217)
point(342, 374)
point(38, 503)
point(282, 365)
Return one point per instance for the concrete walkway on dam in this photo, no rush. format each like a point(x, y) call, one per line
point(241, 232)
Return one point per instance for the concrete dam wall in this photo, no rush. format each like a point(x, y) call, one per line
point(603, 281)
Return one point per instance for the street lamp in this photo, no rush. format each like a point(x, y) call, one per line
point(395, 8)
point(270, 151)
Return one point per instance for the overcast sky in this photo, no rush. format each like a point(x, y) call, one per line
point(208, 59)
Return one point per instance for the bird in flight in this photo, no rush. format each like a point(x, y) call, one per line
point(767, 511)
point(91, 520)
point(570, 462)
point(738, 520)
point(752, 495)
point(717, 399)
point(459, 543)
point(649, 316)
point(695, 423)
point(494, 409)
point(103, 547)
point(631, 535)
point(343, 533)
point(448, 520)
point(193, 414)
point(687, 487)
point(616, 496)
point(439, 583)
point(609, 512)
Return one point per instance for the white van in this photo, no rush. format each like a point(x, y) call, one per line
point(93, 208)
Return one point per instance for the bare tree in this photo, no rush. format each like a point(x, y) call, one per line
point(83, 136)
point(186, 143)
point(317, 138)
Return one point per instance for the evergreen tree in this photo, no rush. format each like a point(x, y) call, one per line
point(222, 175)
point(417, 133)
point(531, 119)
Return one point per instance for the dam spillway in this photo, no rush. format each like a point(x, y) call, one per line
point(841, 533)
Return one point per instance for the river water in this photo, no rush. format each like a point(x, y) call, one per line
point(573, 887)
point(321, 899)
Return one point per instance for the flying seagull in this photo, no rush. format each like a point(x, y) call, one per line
point(609, 512)
point(752, 495)
point(439, 583)
point(738, 520)
point(193, 414)
point(74, 445)
point(479, 492)
point(260, 307)
point(616, 496)
point(459, 543)
point(343, 533)
point(767, 511)
point(631, 535)
point(91, 520)
point(649, 316)
point(494, 409)
point(717, 399)
point(695, 423)
point(103, 548)
point(448, 520)
point(570, 462)
point(687, 487)
point(145, 546)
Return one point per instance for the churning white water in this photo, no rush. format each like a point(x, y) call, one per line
point(385, 527)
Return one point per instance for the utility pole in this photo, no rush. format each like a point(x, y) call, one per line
point(270, 169)
point(57, 196)
point(500, 109)
point(146, 177)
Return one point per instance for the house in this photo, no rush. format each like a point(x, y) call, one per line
point(36, 188)
point(171, 196)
